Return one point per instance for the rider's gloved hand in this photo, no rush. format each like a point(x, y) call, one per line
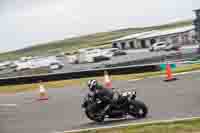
point(116, 96)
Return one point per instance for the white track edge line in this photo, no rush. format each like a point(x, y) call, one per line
point(131, 124)
point(158, 76)
point(8, 105)
point(175, 74)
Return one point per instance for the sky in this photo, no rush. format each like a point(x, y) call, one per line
point(30, 22)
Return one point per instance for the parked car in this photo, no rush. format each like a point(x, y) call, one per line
point(50, 62)
point(55, 66)
point(158, 46)
point(101, 58)
point(92, 55)
point(172, 47)
point(114, 52)
point(164, 46)
point(5, 65)
point(119, 52)
point(22, 65)
point(72, 59)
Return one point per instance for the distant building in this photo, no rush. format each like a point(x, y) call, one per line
point(183, 36)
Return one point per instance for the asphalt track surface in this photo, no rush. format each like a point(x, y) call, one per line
point(21, 113)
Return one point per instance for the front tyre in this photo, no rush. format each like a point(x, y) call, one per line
point(94, 117)
point(138, 109)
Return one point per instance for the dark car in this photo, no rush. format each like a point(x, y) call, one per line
point(119, 52)
point(101, 58)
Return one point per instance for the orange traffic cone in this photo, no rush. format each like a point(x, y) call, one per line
point(107, 81)
point(42, 93)
point(169, 76)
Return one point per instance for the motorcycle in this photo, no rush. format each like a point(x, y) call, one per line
point(125, 105)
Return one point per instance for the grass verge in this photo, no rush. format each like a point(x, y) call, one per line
point(181, 126)
point(82, 82)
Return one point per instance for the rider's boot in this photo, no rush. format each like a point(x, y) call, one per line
point(103, 112)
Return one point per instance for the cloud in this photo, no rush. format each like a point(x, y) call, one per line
point(27, 22)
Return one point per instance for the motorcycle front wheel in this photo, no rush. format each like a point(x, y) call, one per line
point(138, 109)
point(94, 117)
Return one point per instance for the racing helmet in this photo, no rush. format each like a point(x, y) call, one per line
point(92, 84)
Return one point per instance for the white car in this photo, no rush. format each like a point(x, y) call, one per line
point(5, 65)
point(72, 59)
point(107, 53)
point(92, 55)
point(158, 46)
point(164, 46)
point(20, 66)
point(50, 62)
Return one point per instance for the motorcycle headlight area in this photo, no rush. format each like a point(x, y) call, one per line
point(128, 93)
point(133, 92)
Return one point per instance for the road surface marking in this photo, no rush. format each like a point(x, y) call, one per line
point(8, 105)
point(131, 124)
point(175, 74)
point(163, 75)
point(133, 80)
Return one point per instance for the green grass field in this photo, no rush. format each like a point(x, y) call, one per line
point(94, 40)
point(184, 126)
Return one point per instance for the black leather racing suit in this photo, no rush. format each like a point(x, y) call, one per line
point(105, 95)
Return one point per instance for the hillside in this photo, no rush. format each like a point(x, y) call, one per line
point(93, 40)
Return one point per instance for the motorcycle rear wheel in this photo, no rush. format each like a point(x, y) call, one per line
point(138, 109)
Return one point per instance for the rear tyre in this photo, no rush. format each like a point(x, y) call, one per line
point(138, 109)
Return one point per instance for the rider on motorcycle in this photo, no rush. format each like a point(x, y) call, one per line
point(103, 103)
point(104, 94)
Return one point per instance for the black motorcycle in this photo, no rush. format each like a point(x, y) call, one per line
point(126, 105)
